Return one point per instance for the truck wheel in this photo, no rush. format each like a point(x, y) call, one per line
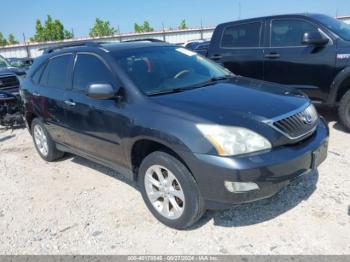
point(344, 110)
point(45, 146)
point(170, 191)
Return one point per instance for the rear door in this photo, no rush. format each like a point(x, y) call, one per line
point(95, 126)
point(49, 95)
point(238, 47)
point(288, 61)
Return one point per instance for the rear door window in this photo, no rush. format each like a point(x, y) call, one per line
point(90, 69)
point(289, 32)
point(242, 35)
point(56, 72)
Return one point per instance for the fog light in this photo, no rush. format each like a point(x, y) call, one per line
point(240, 187)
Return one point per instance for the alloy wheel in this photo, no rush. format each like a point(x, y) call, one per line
point(41, 140)
point(164, 192)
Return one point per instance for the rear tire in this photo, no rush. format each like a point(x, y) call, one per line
point(344, 110)
point(173, 196)
point(44, 145)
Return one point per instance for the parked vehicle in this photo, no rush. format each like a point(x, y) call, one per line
point(10, 110)
point(22, 63)
point(202, 48)
point(310, 52)
point(193, 135)
point(7, 68)
point(192, 44)
point(10, 104)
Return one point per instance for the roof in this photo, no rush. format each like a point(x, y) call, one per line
point(277, 16)
point(111, 47)
point(131, 45)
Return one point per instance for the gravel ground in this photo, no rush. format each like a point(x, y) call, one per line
point(77, 207)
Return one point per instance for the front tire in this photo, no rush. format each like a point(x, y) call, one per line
point(344, 110)
point(170, 191)
point(44, 145)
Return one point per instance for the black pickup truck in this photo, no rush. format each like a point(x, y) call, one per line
point(310, 52)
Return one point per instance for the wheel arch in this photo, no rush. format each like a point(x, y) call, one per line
point(143, 146)
point(29, 117)
point(340, 86)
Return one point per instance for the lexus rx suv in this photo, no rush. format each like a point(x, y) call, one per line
point(193, 135)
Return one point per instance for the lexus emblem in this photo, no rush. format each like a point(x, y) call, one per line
point(307, 118)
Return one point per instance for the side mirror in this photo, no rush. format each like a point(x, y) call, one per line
point(314, 38)
point(102, 91)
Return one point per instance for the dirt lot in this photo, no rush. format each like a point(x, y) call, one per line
point(77, 207)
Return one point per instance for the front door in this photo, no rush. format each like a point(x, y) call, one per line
point(96, 126)
point(288, 61)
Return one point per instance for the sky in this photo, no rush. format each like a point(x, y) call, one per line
point(19, 17)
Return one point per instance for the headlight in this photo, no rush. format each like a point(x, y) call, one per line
point(231, 141)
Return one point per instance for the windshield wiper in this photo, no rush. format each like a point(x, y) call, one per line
point(212, 80)
point(169, 91)
point(199, 85)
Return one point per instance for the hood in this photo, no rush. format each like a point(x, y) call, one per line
point(227, 102)
point(11, 71)
point(6, 95)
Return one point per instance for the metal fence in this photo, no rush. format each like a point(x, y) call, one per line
point(174, 36)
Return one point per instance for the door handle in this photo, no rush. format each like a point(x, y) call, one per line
point(272, 56)
point(216, 57)
point(70, 102)
point(36, 94)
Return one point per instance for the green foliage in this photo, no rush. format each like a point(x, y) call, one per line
point(102, 28)
point(53, 30)
point(3, 40)
point(146, 27)
point(183, 25)
point(68, 34)
point(11, 40)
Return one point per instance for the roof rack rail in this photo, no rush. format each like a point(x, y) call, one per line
point(59, 47)
point(145, 40)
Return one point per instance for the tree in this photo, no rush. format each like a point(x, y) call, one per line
point(11, 40)
point(3, 40)
point(53, 30)
point(102, 28)
point(146, 27)
point(68, 34)
point(183, 25)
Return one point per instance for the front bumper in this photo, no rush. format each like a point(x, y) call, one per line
point(271, 171)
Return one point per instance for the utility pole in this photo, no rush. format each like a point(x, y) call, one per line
point(202, 29)
point(164, 38)
point(26, 46)
point(120, 34)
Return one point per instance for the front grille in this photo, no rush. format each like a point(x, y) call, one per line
point(8, 83)
point(298, 125)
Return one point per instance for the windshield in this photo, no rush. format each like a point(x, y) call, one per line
point(3, 62)
point(164, 69)
point(338, 27)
